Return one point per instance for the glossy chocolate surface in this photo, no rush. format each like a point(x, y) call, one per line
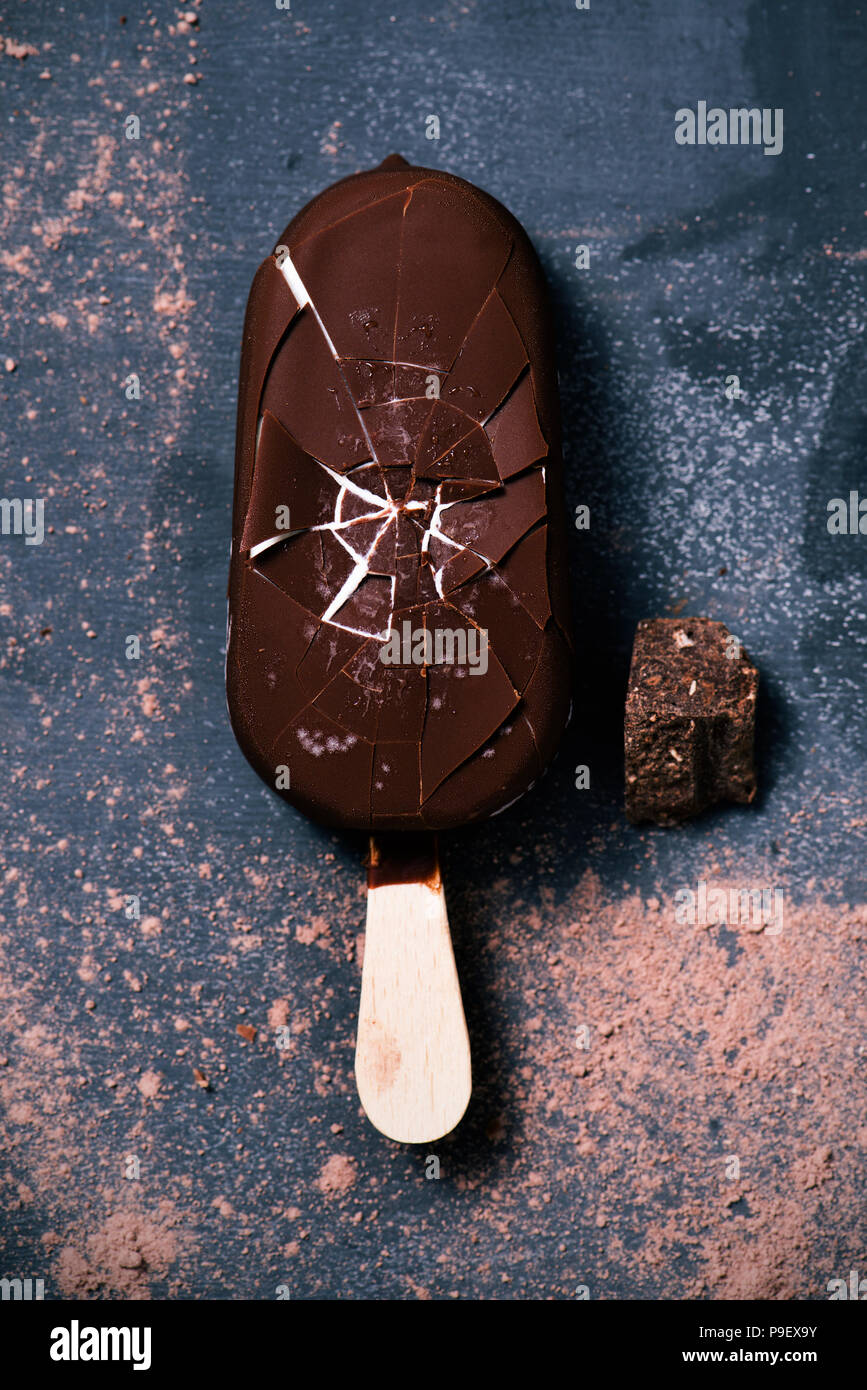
point(398, 622)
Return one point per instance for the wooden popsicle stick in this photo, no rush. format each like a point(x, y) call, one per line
point(412, 1055)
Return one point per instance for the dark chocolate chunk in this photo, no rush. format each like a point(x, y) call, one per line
point(399, 629)
point(690, 720)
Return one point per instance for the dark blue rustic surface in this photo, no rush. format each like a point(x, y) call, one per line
point(704, 262)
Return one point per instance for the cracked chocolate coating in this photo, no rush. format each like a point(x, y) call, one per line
point(398, 470)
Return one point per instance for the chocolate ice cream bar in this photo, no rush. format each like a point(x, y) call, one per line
point(399, 651)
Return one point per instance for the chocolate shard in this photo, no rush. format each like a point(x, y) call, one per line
point(289, 492)
point(470, 459)
point(523, 570)
point(307, 567)
point(488, 363)
point(497, 521)
point(398, 635)
point(445, 427)
point(458, 566)
point(516, 439)
point(690, 720)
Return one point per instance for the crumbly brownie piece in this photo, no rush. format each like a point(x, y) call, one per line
point(690, 720)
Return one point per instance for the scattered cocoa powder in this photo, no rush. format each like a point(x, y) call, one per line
point(338, 1175)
